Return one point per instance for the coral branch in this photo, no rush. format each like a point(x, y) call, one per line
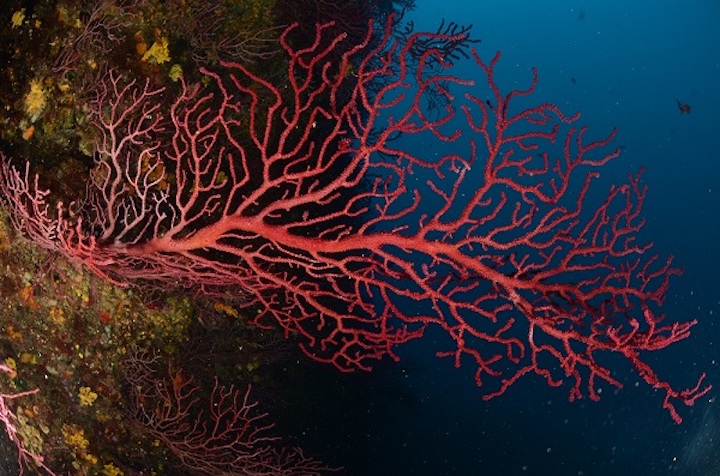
point(26, 458)
point(225, 435)
point(314, 199)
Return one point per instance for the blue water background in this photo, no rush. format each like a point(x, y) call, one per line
point(630, 61)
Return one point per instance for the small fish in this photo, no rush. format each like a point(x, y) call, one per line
point(684, 108)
